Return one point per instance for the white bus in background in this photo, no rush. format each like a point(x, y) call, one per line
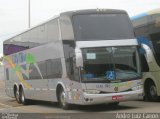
point(80, 57)
point(147, 30)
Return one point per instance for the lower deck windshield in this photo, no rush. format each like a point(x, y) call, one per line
point(110, 63)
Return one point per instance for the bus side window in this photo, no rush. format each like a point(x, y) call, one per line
point(144, 64)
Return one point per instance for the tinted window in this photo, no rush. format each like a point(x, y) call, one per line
point(44, 34)
point(66, 28)
point(13, 48)
point(51, 68)
point(14, 45)
point(110, 63)
point(54, 68)
point(35, 37)
point(52, 30)
point(102, 27)
point(37, 72)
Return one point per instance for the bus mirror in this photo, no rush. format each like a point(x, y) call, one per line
point(149, 54)
point(78, 58)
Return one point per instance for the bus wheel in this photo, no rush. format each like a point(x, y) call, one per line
point(16, 93)
point(22, 98)
point(152, 92)
point(62, 100)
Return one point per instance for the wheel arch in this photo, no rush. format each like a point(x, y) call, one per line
point(21, 86)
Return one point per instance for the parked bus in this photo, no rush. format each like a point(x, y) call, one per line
point(147, 30)
point(81, 57)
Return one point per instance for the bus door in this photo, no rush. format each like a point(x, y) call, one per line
point(76, 85)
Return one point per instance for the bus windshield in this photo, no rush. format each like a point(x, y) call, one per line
point(102, 27)
point(110, 63)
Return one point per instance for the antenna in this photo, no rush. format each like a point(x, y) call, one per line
point(29, 24)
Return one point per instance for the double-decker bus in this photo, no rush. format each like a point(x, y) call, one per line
point(80, 57)
point(147, 30)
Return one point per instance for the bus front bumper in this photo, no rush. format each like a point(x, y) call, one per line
point(90, 99)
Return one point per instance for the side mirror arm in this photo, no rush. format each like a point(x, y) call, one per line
point(149, 54)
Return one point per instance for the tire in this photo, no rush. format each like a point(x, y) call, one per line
point(151, 93)
point(114, 104)
point(62, 100)
point(16, 94)
point(22, 98)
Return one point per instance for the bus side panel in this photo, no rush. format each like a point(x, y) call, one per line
point(7, 82)
point(157, 81)
point(47, 67)
point(10, 81)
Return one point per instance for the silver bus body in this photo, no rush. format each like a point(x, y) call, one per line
point(42, 68)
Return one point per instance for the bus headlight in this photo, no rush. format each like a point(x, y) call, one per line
point(91, 91)
point(137, 87)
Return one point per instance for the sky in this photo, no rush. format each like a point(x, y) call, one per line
point(14, 13)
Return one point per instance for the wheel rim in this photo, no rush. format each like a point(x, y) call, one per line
point(63, 98)
point(153, 91)
point(22, 98)
point(17, 95)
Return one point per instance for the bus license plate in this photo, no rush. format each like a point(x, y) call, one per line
point(118, 97)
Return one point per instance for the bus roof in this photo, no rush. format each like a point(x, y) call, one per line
point(93, 11)
point(151, 12)
point(70, 13)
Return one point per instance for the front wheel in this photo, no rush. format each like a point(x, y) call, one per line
point(62, 100)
